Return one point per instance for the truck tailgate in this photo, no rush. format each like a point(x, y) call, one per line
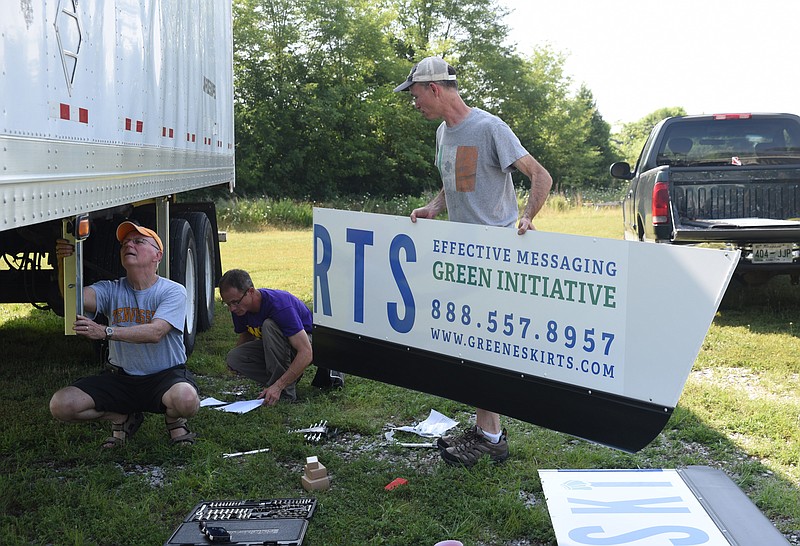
point(752, 230)
point(736, 204)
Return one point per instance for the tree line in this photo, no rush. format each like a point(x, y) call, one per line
point(316, 116)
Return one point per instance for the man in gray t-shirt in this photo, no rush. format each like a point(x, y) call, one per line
point(147, 358)
point(476, 152)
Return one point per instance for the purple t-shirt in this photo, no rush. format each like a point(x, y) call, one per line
point(287, 310)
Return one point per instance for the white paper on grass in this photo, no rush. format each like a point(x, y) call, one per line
point(242, 406)
point(435, 425)
point(211, 401)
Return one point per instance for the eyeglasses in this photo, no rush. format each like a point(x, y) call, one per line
point(236, 303)
point(139, 242)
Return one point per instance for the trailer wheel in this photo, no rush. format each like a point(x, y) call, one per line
point(206, 263)
point(183, 270)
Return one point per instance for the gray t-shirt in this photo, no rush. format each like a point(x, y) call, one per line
point(125, 306)
point(475, 159)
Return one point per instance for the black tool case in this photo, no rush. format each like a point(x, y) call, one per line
point(264, 522)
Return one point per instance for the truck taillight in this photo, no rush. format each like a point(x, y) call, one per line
point(660, 203)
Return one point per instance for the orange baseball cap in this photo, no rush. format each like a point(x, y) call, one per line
point(126, 227)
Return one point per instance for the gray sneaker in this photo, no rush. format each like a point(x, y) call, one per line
point(471, 449)
point(450, 441)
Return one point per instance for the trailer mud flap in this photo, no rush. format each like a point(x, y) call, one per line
point(608, 419)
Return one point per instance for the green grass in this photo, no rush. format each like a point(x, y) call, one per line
point(602, 222)
point(740, 411)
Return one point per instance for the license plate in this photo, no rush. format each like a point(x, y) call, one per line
point(772, 253)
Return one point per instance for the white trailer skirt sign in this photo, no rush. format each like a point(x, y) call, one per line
point(626, 507)
point(697, 505)
point(593, 337)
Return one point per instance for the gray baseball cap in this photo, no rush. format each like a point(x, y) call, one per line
point(429, 69)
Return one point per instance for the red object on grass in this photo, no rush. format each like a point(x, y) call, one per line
point(396, 483)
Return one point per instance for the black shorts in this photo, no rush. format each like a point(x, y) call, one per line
point(119, 392)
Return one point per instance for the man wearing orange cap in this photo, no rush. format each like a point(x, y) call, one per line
point(147, 358)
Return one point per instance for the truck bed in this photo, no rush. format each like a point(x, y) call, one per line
point(742, 204)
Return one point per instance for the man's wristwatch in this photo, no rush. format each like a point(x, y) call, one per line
point(109, 332)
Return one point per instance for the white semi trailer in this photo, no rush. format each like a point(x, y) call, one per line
point(112, 110)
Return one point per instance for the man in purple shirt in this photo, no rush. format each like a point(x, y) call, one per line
point(274, 343)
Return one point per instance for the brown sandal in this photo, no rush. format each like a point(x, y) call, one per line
point(184, 439)
point(128, 428)
point(112, 442)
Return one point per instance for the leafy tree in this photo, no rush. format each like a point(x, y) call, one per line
point(314, 112)
point(450, 28)
point(599, 140)
point(564, 132)
point(316, 116)
point(631, 138)
point(267, 77)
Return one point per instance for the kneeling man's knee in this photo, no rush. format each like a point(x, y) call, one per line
point(182, 398)
point(66, 404)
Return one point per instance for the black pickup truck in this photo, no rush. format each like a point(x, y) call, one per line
point(729, 180)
